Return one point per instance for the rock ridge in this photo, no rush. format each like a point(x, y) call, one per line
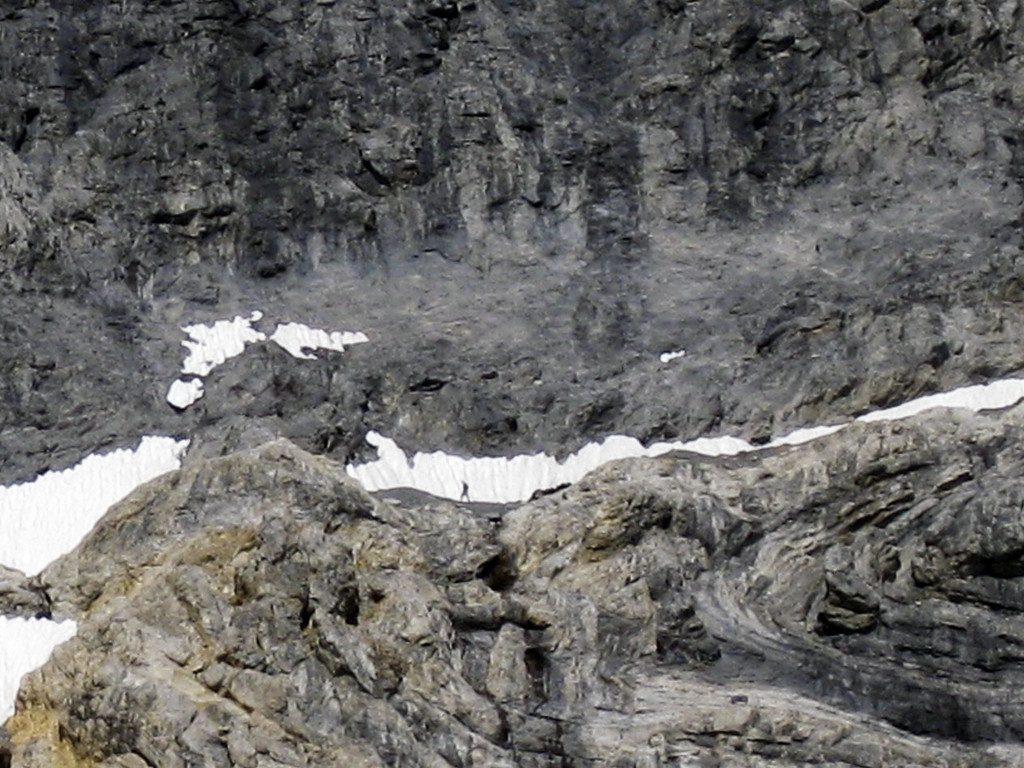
point(852, 602)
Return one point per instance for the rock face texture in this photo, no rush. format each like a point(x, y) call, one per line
point(853, 603)
point(523, 204)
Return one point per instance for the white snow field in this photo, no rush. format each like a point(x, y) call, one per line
point(45, 518)
point(803, 435)
point(212, 345)
point(668, 357)
point(981, 397)
point(505, 480)
point(296, 338)
point(509, 480)
point(25, 645)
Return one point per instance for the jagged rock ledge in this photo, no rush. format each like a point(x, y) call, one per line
point(858, 602)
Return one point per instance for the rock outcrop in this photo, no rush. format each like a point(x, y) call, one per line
point(853, 602)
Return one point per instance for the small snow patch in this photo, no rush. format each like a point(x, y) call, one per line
point(212, 345)
point(185, 392)
point(296, 339)
point(48, 517)
point(980, 397)
point(209, 346)
point(668, 357)
point(26, 645)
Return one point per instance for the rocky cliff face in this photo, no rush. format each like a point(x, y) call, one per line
point(854, 603)
point(522, 203)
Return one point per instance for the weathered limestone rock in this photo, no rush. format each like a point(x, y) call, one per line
point(854, 601)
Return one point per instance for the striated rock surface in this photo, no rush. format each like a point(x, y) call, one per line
point(855, 602)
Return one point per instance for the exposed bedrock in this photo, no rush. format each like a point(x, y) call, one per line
point(523, 204)
point(855, 602)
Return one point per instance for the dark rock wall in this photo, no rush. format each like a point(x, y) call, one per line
point(819, 201)
point(264, 137)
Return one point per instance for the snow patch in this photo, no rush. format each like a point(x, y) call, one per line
point(26, 645)
point(184, 392)
point(209, 346)
point(506, 480)
point(516, 479)
point(48, 517)
point(296, 338)
point(980, 397)
point(668, 357)
point(805, 435)
point(212, 345)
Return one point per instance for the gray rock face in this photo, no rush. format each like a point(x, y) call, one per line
point(523, 204)
point(852, 603)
